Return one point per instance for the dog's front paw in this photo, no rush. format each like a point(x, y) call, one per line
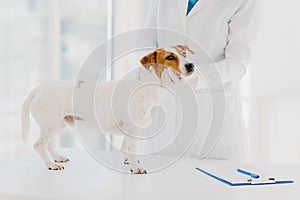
point(126, 162)
point(54, 166)
point(138, 170)
point(61, 159)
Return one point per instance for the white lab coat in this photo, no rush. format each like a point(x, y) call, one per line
point(220, 32)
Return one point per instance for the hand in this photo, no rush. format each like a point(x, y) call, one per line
point(140, 73)
point(193, 80)
point(169, 77)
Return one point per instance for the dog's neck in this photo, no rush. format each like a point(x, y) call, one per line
point(150, 78)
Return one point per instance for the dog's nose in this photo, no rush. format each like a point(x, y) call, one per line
point(189, 67)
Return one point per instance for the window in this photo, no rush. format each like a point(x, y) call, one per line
point(42, 40)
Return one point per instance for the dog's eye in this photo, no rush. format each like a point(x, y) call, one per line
point(170, 58)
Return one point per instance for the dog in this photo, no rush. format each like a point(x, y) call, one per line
point(50, 104)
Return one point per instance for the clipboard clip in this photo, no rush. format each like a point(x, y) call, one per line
point(268, 180)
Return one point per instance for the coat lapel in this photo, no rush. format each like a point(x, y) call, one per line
point(201, 4)
point(182, 6)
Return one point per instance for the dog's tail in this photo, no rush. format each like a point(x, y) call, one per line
point(25, 114)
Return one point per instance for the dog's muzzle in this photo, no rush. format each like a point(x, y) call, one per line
point(189, 67)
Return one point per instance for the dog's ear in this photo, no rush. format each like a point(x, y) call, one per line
point(187, 48)
point(149, 60)
point(181, 49)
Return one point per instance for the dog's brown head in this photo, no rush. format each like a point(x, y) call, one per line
point(161, 59)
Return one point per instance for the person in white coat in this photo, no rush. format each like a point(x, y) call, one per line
point(220, 32)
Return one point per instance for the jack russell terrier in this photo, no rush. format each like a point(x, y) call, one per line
point(50, 104)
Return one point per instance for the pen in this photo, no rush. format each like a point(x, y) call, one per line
point(248, 173)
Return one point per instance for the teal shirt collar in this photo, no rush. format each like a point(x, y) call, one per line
point(192, 3)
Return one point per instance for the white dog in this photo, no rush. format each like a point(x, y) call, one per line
point(51, 106)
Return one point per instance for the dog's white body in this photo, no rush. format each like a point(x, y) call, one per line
point(120, 107)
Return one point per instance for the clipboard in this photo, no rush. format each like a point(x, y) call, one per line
point(230, 175)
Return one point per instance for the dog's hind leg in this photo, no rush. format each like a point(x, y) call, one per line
point(41, 147)
point(57, 158)
point(68, 120)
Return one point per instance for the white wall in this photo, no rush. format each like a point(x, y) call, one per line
point(128, 15)
point(275, 84)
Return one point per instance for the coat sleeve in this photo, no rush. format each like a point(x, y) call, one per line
point(148, 36)
point(242, 30)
